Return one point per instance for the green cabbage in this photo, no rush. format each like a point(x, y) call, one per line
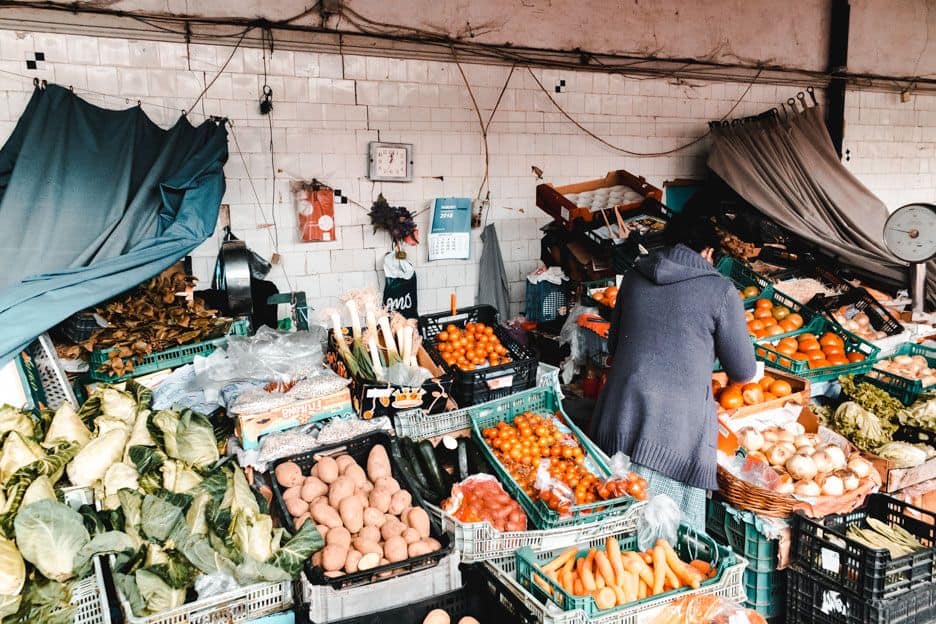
point(118, 477)
point(17, 452)
point(188, 437)
point(119, 405)
point(12, 568)
point(92, 462)
point(177, 477)
point(67, 426)
point(50, 535)
point(158, 596)
point(12, 419)
point(40, 489)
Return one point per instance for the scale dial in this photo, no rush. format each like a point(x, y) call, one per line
point(910, 232)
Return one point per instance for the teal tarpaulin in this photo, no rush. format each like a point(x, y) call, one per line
point(94, 202)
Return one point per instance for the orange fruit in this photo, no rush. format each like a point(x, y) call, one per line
point(755, 325)
point(752, 394)
point(731, 399)
point(760, 334)
point(786, 349)
point(762, 313)
point(799, 355)
point(769, 396)
point(787, 325)
point(814, 364)
point(809, 345)
point(807, 336)
point(815, 355)
point(765, 382)
point(780, 388)
point(833, 350)
point(837, 359)
point(765, 304)
point(854, 356)
point(773, 330)
point(830, 339)
point(796, 319)
point(770, 321)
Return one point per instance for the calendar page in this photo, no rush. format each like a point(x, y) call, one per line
point(450, 234)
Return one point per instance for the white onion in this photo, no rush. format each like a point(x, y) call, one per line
point(795, 428)
point(785, 436)
point(860, 466)
point(832, 486)
point(785, 485)
point(849, 479)
point(807, 488)
point(801, 467)
point(758, 456)
point(770, 435)
point(903, 360)
point(806, 450)
point(836, 456)
point(751, 439)
point(778, 454)
point(822, 461)
point(803, 440)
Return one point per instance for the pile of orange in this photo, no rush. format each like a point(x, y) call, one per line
point(736, 395)
point(767, 319)
point(475, 345)
point(820, 351)
point(607, 297)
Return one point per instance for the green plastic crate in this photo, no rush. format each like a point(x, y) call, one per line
point(778, 298)
point(715, 513)
point(744, 276)
point(765, 352)
point(690, 545)
point(907, 390)
point(170, 358)
point(543, 401)
point(765, 592)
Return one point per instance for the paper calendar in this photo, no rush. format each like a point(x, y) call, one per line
point(450, 234)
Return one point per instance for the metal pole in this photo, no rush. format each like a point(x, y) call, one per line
point(918, 285)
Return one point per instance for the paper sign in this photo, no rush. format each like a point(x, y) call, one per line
point(450, 233)
point(501, 382)
point(829, 560)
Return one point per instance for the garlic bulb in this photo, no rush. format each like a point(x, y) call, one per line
point(832, 486)
point(837, 457)
point(822, 461)
point(751, 439)
point(807, 488)
point(801, 467)
point(778, 454)
point(859, 465)
point(849, 479)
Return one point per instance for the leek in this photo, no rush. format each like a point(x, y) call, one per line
point(358, 350)
point(342, 346)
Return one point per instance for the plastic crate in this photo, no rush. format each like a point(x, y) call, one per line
point(868, 573)
point(858, 300)
point(765, 592)
point(587, 300)
point(743, 276)
point(742, 536)
point(779, 299)
point(492, 382)
point(907, 390)
point(765, 351)
point(56, 389)
point(689, 545)
point(358, 448)
point(811, 599)
point(170, 358)
point(546, 301)
point(321, 603)
point(729, 587)
point(89, 595)
point(543, 401)
point(483, 597)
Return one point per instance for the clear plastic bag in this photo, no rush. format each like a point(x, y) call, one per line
point(706, 609)
point(481, 498)
point(659, 520)
point(556, 494)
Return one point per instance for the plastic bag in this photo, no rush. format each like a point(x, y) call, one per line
point(570, 334)
point(706, 609)
point(481, 498)
point(557, 495)
point(659, 520)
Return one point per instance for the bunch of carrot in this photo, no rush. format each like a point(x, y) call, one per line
point(614, 578)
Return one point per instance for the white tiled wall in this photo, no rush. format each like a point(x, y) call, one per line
point(327, 107)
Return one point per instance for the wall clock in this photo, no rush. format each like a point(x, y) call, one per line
point(390, 162)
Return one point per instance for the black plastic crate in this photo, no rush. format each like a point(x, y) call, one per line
point(868, 573)
point(861, 301)
point(483, 597)
point(358, 448)
point(492, 382)
point(814, 600)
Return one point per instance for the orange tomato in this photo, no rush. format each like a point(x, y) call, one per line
point(780, 388)
point(765, 382)
point(756, 325)
point(830, 339)
point(786, 349)
point(787, 325)
point(752, 394)
point(796, 319)
point(773, 330)
point(769, 396)
point(765, 304)
point(833, 350)
point(837, 359)
point(856, 357)
point(762, 313)
point(807, 336)
point(809, 345)
point(815, 354)
point(823, 363)
point(799, 355)
point(731, 399)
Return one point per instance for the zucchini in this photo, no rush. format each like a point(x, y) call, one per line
point(477, 463)
point(446, 452)
point(410, 465)
point(439, 480)
point(462, 468)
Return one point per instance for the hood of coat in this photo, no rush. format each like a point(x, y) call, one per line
point(674, 264)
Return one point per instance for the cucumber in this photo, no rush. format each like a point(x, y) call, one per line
point(462, 468)
point(439, 480)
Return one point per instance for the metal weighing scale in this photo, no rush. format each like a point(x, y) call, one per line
point(910, 234)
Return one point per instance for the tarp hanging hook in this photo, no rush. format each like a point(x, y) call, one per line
point(792, 103)
point(812, 94)
point(41, 84)
point(802, 98)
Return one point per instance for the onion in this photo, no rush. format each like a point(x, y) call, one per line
point(757, 455)
point(778, 454)
point(795, 428)
point(785, 485)
point(785, 436)
point(863, 320)
point(807, 488)
point(751, 439)
point(806, 450)
point(849, 479)
point(770, 435)
point(803, 440)
point(832, 486)
point(903, 360)
point(860, 466)
point(836, 456)
point(822, 461)
point(801, 467)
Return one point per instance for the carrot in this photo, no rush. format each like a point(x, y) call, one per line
point(599, 581)
point(642, 589)
point(604, 598)
point(687, 574)
point(703, 567)
point(613, 551)
point(671, 578)
point(603, 564)
point(619, 595)
point(647, 557)
point(629, 582)
point(588, 579)
point(635, 563)
point(561, 560)
point(568, 580)
point(579, 591)
point(659, 569)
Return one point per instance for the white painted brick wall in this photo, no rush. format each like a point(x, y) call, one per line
point(327, 108)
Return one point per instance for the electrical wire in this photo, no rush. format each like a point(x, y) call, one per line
point(220, 71)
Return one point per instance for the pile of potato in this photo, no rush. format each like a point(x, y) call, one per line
point(366, 519)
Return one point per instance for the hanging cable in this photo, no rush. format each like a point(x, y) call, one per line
point(220, 71)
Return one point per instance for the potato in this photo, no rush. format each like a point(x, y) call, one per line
point(366, 547)
point(379, 500)
point(327, 470)
point(417, 549)
point(312, 488)
point(411, 536)
point(391, 485)
point(392, 528)
point(356, 474)
point(373, 517)
point(361, 496)
point(433, 543)
point(300, 520)
point(437, 616)
point(334, 574)
point(369, 533)
point(468, 620)
point(297, 507)
point(333, 557)
point(266, 493)
point(400, 501)
point(368, 561)
point(292, 492)
point(322, 529)
point(316, 559)
point(384, 561)
point(318, 499)
point(289, 474)
point(378, 464)
point(418, 519)
point(367, 487)
point(339, 536)
point(344, 462)
point(351, 563)
point(395, 549)
point(338, 490)
point(352, 513)
point(323, 514)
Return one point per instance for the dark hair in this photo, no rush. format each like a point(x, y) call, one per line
point(694, 231)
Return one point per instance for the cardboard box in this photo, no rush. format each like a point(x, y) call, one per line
point(553, 201)
point(250, 427)
point(800, 395)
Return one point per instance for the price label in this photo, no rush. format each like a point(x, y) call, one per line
point(379, 393)
point(501, 382)
point(829, 560)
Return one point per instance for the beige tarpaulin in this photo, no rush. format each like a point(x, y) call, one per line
point(788, 169)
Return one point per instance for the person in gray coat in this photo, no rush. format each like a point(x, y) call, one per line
point(673, 316)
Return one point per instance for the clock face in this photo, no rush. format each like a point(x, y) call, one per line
point(910, 232)
point(392, 162)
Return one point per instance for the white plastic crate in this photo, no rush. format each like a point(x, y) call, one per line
point(731, 587)
point(326, 604)
point(54, 380)
point(419, 426)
